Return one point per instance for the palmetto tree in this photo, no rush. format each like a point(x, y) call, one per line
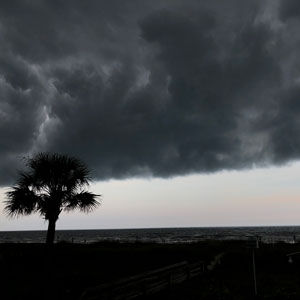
point(51, 184)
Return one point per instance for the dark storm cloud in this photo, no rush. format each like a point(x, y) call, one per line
point(136, 88)
point(289, 9)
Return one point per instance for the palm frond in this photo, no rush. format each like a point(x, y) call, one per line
point(57, 170)
point(20, 201)
point(84, 201)
point(25, 179)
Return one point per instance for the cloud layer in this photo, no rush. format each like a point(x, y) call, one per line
point(137, 88)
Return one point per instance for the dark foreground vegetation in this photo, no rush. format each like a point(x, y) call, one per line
point(63, 271)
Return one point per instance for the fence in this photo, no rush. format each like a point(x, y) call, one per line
point(146, 283)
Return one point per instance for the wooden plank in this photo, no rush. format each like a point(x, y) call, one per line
point(137, 277)
point(146, 283)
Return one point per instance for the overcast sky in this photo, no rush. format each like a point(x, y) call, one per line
point(153, 92)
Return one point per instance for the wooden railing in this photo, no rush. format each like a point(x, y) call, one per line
point(146, 283)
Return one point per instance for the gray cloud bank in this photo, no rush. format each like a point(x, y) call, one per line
point(150, 88)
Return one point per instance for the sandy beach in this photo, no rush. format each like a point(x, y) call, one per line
point(64, 271)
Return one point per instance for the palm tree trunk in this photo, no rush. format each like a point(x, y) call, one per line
point(51, 231)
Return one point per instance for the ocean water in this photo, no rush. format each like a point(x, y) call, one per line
point(287, 234)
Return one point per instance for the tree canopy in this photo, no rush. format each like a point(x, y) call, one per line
point(51, 183)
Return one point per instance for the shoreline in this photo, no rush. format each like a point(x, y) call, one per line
point(155, 228)
point(160, 235)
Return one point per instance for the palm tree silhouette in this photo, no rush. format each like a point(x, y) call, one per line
point(53, 183)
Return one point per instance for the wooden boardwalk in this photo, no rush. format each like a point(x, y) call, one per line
point(145, 284)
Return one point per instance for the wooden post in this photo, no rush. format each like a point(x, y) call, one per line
point(254, 273)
